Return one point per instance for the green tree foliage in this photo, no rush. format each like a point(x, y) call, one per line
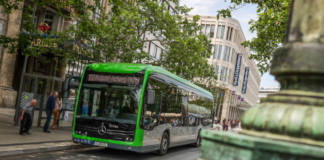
point(270, 28)
point(121, 35)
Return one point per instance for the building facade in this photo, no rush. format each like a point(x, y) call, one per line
point(238, 76)
point(11, 65)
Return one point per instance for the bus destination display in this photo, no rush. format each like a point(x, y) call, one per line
point(113, 79)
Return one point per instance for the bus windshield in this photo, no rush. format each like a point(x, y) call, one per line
point(110, 102)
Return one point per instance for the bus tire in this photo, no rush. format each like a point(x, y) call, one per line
point(198, 141)
point(164, 144)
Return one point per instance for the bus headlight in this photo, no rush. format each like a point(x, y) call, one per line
point(127, 139)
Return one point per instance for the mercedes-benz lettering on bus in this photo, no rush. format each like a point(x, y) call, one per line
point(139, 108)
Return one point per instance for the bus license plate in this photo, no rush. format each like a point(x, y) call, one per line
point(101, 144)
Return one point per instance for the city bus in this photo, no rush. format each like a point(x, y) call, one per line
point(140, 108)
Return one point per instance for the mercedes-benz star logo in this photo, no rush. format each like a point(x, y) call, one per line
point(102, 129)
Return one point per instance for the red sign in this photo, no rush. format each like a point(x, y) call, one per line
point(44, 27)
point(113, 79)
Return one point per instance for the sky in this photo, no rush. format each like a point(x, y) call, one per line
point(243, 15)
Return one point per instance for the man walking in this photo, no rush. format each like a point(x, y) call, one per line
point(25, 118)
point(50, 105)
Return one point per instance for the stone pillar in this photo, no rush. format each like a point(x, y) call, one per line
point(226, 105)
point(7, 94)
point(60, 74)
point(61, 61)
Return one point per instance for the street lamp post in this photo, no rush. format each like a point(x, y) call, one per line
point(289, 123)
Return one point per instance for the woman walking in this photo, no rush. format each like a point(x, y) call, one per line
point(58, 107)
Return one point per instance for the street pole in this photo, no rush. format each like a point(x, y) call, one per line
point(289, 123)
point(17, 111)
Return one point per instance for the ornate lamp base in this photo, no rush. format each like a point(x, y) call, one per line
point(233, 146)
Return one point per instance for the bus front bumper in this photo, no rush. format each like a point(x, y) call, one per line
point(139, 149)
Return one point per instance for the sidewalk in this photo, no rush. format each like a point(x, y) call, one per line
point(11, 143)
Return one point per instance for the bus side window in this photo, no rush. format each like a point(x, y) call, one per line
point(184, 106)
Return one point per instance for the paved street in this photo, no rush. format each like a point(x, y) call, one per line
point(177, 153)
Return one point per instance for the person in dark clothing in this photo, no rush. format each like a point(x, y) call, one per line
point(224, 121)
point(50, 105)
point(25, 118)
point(225, 128)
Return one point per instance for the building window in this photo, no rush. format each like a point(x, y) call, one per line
point(215, 51)
point(216, 70)
point(75, 23)
point(207, 29)
point(229, 74)
point(97, 14)
point(225, 53)
point(232, 55)
point(155, 51)
point(230, 38)
point(172, 11)
point(40, 64)
point(221, 74)
point(203, 28)
point(229, 33)
point(219, 51)
point(93, 40)
point(35, 18)
point(212, 31)
point(228, 53)
point(220, 32)
point(210, 46)
point(225, 73)
point(49, 20)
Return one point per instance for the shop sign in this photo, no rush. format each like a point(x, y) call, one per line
point(76, 47)
point(237, 69)
point(39, 42)
point(245, 80)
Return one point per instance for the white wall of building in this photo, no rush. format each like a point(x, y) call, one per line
point(233, 39)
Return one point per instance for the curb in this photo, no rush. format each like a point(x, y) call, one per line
point(39, 148)
point(31, 143)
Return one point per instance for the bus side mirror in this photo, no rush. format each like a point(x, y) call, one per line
point(150, 97)
point(68, 80)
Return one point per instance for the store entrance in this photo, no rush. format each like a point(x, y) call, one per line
point(40, 87)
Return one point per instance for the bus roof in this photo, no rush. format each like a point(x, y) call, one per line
point(136, 67)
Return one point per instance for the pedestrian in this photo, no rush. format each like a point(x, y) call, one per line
point(217, 126)
point(225, 128)
point(57, 109)
point(50, 105)
point(84, 108)
point(224, 121)
point(25, 117)
point(231, 123)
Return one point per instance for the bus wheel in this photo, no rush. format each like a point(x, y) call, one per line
point(164, 144)
point(198, 142)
